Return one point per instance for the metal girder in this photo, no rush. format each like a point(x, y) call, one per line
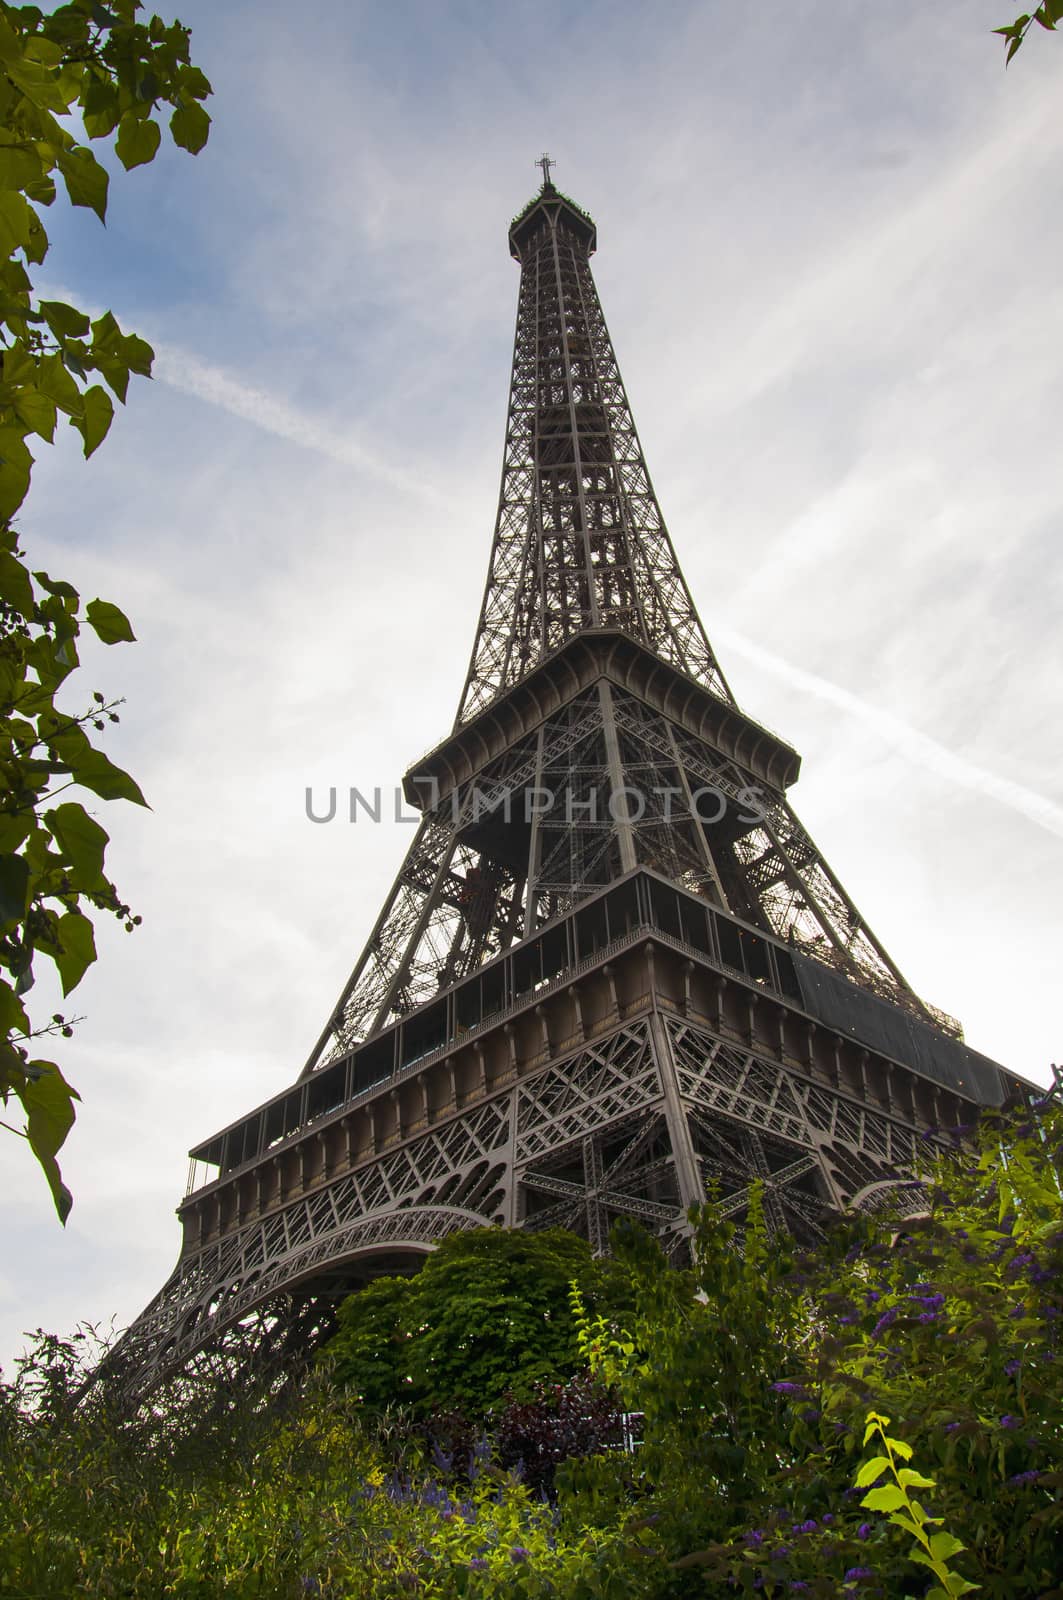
point(630, 1204)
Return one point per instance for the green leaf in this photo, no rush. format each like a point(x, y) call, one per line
point(14, 888)
point(65, 321)
point(100, 108)
point(19, 166)
point(944, 1545)
point(888, 1498)
point(86, 181)
point(871, 1470)
point(190, 126)
point(14, 826)
point(17, 219)
point(55, 381)
point(13, 1018)
point(137, 354)
point(36, 413)
point(94, 771)
point(111, 624)
point(81, 840)
point(48, 1101)
point(138, 139)
point(74, 950)
point(195, 83)
point(57, 586)
point(44, 51)
point(15, 587)
point(96, 419)
point(910, 1479)
point(16, 464)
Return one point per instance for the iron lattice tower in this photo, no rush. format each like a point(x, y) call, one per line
point(613, 966)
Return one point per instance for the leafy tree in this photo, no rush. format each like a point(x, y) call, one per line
point(488, 1316)
point(86, 68)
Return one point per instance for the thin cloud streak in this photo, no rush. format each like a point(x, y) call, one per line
point(920, 748)
point(179, 370)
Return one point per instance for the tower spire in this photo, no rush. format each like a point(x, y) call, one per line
point(579, 542)
point(546, 162)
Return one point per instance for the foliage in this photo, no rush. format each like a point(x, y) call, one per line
point(531, 1436)
point(290, 1499)
point(933, 1550)
point(1048, 14)
point(486, 1318)
point(92, 68)
point(882, 1416)
point(949, 1324)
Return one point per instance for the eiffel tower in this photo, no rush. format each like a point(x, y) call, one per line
point(614, 968)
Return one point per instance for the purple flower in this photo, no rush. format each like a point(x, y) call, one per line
point(848, 1321)
point(797, 1584)
point(950, 1427)
point(932, 1302)
point(780, 1552)
point(888, 1316)
point(856, 1574)
point(828, 1518)
point(863, 1530)
point(810, 1526)
point(1013, 1366)
point(1022, 1478)
point(789, 1388)
point(477, 1564)
point(811, 1415)
point(518, 1553)
point(1008, 1421)
point(928, 1316)
point(871, 1295)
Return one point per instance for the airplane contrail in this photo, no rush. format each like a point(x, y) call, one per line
point(179, 369)
point(918, 747)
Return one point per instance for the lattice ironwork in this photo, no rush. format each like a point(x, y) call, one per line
point(595, 735)
point(579, 541)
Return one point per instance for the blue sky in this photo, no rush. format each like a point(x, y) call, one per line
point(828, 238)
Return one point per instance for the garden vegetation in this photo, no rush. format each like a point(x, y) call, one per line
point(882, 1416)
